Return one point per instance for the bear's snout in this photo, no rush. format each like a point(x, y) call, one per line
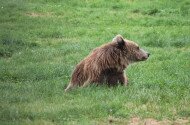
point(145, 57)
point(142, 55)
point(148, 54)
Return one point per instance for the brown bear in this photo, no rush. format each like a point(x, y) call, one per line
point(106, 64)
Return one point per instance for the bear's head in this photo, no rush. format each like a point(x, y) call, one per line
point(130, 50)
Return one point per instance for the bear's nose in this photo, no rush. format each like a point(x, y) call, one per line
point(148, 54)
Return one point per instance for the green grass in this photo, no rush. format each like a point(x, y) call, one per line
point(41, 41)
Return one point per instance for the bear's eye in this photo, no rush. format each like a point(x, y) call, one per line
point(138, 48)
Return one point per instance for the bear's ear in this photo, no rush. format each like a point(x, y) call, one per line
point(119, 40)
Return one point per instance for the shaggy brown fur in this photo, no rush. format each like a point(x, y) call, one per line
point(106, 64)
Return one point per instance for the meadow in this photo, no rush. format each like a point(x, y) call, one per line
point(41, 41)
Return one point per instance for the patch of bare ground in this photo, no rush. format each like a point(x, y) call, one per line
point(147, 121)
point(151, 121)
point(36, 14)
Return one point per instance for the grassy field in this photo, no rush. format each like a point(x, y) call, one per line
point(41, 41)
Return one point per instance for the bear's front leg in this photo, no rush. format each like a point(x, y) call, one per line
point(125, 83)
point(123, 79)
point(115, 78)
